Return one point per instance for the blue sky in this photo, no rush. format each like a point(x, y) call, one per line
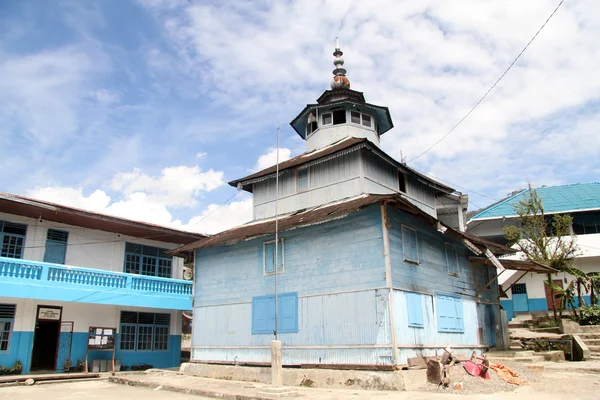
point(145, 109)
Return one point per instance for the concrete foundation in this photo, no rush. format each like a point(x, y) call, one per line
point(316, 378)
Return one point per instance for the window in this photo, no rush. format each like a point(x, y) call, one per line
point(327, 119)
point(147, 260)
point(485, 276)
point(269, 257)
point(585, 223)
point(263, 314)
point(56, 246)
point(339, 117)
point(451, 259)
point(402, 182)
point(12, 237)
point(366, 120)
point(414, 305)
point(450, 313)
point(302, 179)
point(519, 288)
point(311, 125)
point(360, 119)
point(7, 318)
point(409, 244)
point(144, 331)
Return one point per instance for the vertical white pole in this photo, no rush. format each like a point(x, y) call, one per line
point(277, 240)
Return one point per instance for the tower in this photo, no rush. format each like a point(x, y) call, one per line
point(340, 113)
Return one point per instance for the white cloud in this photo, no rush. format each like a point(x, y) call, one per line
point(429, 62)
point(72, 197)
point(176, 186)
point(201, 155)
point(216, 218)
point(270, 158)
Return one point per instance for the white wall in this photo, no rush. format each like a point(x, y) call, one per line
point(85, 247)
point(83, 315)
point(330, 134)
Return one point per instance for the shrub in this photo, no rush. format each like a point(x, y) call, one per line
point(589, 315)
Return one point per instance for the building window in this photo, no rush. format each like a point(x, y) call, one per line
point(360, 119)
point(311, 125)
point(355, 117)
point(263, 314)
point(519, 288)
point(585, 223)
point(269, 257)
point(12, 237)
point(7, 319)
point(339, 117)
point(402, 182)
point(450, 314)
point(409, 245)
point(451, 259)
point(485, 276)
point(414, 305)
point(56, 246)
point(144, 331)
point(327, 119)
point(366, 120)
point(147, 260)
point(302, 177)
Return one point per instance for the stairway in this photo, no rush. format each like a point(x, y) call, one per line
point(592, 341)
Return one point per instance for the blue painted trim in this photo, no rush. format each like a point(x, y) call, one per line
point(20, 349)
point(263, 314)
point(537, 304)
point(55, 282)
point(507, 305)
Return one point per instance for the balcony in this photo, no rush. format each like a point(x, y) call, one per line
point(44, 281)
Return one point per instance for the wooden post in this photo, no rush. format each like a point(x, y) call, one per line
point(276, 364)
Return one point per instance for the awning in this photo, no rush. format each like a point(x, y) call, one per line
point(518, 265)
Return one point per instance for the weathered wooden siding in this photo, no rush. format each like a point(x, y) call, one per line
point(379, 171)
point(329, 181)
point(431, 274)
point(337, 268)
point(421, 195)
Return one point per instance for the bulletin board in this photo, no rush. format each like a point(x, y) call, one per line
point(101, 338)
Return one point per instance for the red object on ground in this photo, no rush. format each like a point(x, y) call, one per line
point(477, 369)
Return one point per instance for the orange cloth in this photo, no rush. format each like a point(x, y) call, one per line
point(507, 374)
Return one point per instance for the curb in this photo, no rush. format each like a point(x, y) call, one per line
point(177, 389)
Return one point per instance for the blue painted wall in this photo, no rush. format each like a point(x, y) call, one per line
point(22, 343)
point(508, 306)
point(431, 274)
point(344, 254)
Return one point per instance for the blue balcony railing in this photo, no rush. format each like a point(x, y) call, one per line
point(39, 280)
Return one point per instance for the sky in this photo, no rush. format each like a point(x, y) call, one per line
point(145, 109)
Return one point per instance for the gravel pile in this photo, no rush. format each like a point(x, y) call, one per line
point(476, 385)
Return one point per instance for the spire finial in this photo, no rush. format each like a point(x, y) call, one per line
point(339, 74)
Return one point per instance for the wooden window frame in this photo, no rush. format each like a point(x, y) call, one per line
point(404, 245)
point(265, 273)
point(446, 246)
point(298, 190)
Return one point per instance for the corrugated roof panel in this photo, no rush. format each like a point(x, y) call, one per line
point(555, 199)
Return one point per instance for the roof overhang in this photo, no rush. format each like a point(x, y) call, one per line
point(518, 265)
point(32, 208)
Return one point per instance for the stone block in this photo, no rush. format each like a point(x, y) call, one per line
point(569, 326)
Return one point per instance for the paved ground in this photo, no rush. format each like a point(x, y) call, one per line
point(552, 385)
point(94, 390)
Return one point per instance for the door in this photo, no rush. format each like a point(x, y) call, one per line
point(45, 338)
point(64, 344)
point(549, 299)
point(519, 297)
point(56, 246)
point(490, 325)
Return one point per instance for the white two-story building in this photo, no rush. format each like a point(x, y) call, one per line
point(64, 270)
point(527, 292)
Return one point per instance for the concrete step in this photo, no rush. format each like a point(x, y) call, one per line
point(531, 359)
point(518, 325)
point(506, 354)
point(591, 342)
point(586, 336)
point(594, 349)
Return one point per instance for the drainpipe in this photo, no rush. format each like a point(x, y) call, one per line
point(388, 278)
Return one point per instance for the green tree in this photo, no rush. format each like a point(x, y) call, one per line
point(543, 239)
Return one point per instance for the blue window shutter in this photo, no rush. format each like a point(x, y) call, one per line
point(56, 246)
point(288, 312)
point(263, 315)
point(413, 246)
point(414, 305)
point(450, 314)
point(270, 258)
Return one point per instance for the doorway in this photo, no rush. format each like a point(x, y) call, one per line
point(45, 338)
point(519, 297)
point(549, 299)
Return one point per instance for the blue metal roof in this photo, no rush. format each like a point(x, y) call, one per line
point(555, 199)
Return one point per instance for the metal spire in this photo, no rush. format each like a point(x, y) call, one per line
point(340, 81)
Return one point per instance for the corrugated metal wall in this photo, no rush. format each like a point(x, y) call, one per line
point(350, 320)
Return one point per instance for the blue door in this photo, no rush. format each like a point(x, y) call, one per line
point(56, 246)
point(490, 326)
point(519, 297)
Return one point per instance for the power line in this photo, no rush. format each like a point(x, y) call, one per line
point(493, 86)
